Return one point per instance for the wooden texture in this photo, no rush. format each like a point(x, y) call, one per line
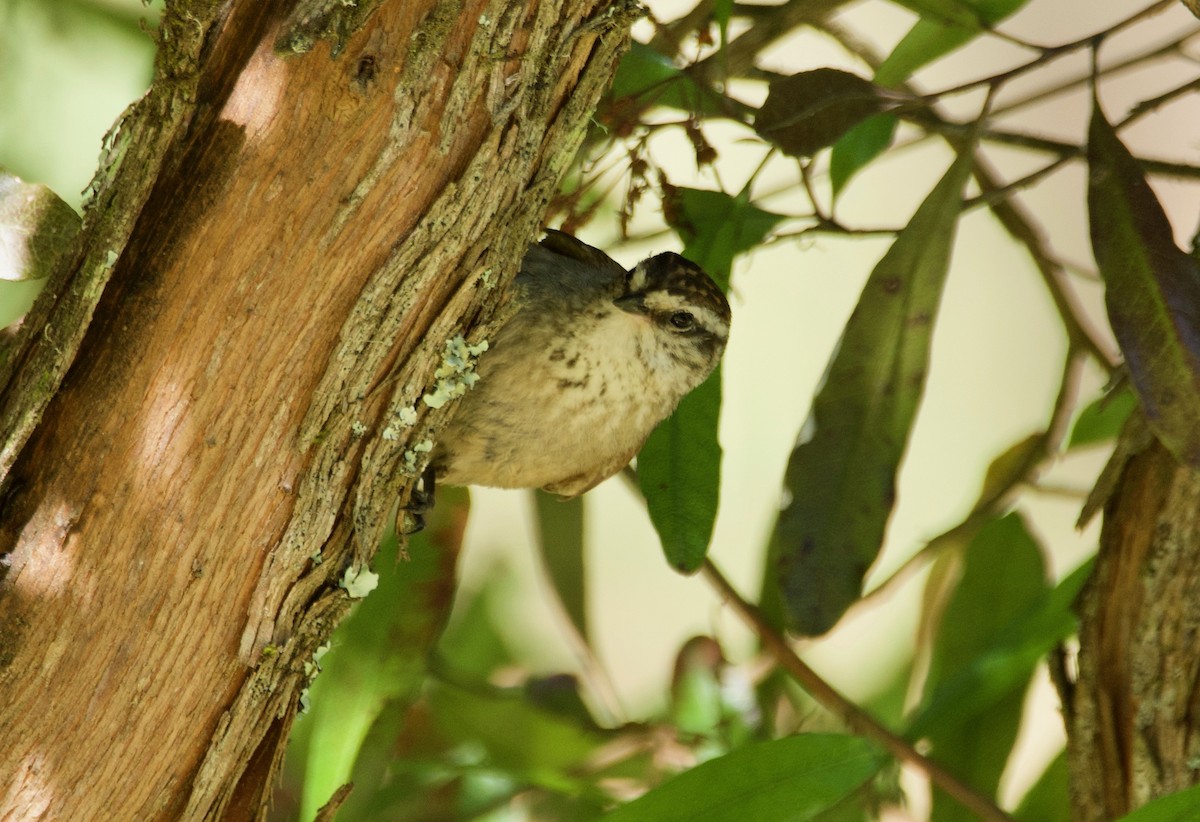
point(294, 241)
point(1134, 713)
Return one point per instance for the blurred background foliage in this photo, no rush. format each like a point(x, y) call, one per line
point(896, 194)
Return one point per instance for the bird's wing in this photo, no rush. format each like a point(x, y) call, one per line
point(565, 245)
point(570, 487)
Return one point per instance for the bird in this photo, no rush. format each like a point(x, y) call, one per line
point(591, 360)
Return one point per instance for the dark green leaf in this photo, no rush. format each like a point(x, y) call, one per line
point(560, 537)
point(842, 479)
point(791, 779)
point(1182, 806)
point(1152, 291)
point(679, 472)
point(806, 112)
point(1101, 421)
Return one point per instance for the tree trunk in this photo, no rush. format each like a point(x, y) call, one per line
point(1134, 723)
point(209, 414)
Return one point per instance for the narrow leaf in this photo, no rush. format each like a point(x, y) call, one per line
point(560, 532)
point(794, 779)
point(808, 111)
point(1005, 665)
point(377, 655)
point(842, 479)
point(679, 467)
point(1003, 576)
point(1152, 291)
point(679, 472)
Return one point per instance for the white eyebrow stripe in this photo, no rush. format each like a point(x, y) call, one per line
point(663, 301)
point(637, 278)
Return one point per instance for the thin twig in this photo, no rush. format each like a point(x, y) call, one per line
point(1050, 53)
point(1133, 61)
point(1021, 226)
point(854, 717)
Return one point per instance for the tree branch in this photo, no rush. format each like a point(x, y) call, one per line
point(854, 718)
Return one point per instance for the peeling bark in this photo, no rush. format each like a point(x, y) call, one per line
point(227, 380)
point(1134, 723)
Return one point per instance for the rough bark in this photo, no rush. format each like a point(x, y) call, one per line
point(1134, 718)
point(227, 380)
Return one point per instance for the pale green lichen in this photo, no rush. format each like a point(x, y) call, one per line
point(406, 417)
point(313, 666)
point(311, 669)
point(456, 375)
point(413, 456)
point(359, 581)
point(357, 428)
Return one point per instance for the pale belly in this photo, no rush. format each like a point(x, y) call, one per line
point(567, 419)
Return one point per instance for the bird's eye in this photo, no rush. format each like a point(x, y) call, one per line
point(682, 320)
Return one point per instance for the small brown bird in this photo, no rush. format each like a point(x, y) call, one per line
point(591, 361)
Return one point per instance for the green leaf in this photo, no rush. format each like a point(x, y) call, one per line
point(1103, 418)
point(1182, 806)
point(944, 26)
point(1047, 800)
point(938, 34)
point(1002, 577)
point(560, 540)
point(722, 12)
point(793, 779)
point(679, 467)
point(842, 479)
point(947, 11)
point(716, 227)
point(991, 675)
point(808, 111)
point(377, 655)
point(679, 472)
point(859, 146)
point(530, 743)
point(1152, 291)
point(651, 77)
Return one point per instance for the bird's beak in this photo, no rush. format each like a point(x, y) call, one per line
point(633, 303)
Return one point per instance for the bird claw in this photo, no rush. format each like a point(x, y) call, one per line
point(420, 503)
